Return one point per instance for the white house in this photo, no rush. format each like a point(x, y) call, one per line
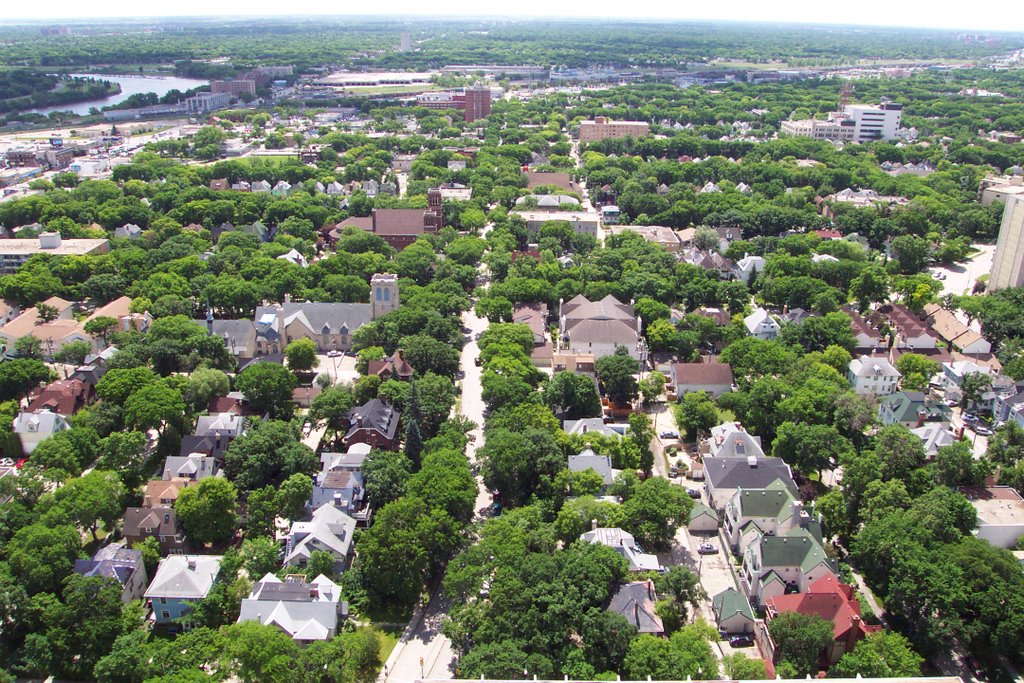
point(33, 428)
point(292, 256)
point(872, 376)
point(220, 424)
point(305, 611)
point(329, 530)
point(762, 325)
point(747, 267)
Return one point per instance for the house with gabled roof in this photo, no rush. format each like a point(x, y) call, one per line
point(307, 612)
point(594, 425)
point(193, 467)
point(180, 582)
point(732, 611)
point(589, 460)
point(35, 427)
point(624, 544)
point(329, 529)
point(160, 493)
point(776, 565)
point(159, 522)
point(712, 378)
point(374, 423)
point(772, 510)
point(832, 601)
point(703, 519)
point(872, 375)
point(762, 325)
point(122, 564)
point(394, 366)
point(636, 602)
point(64, 397)
point(228, 425)
point(912, 409)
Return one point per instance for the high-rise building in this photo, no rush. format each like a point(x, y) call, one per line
point(235, 87)
point(852, 123)
point(477, 102)
point(405, 42)
point(1008, 262)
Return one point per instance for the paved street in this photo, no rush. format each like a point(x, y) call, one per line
point(423, 651)
point(961, 276)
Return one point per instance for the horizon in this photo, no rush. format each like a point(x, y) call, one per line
point(905, 16)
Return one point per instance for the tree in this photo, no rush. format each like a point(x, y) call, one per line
point(413, 437)
point(41, 556)
point(319, 562)
point(268, 387)
point(655, 510)
point(301, 355)
point(118, 384)
point(955, 465)
point(616, 373)
point(706, 239)
point(154, 406)
point(695, 413)
point(255, 653)
point(293, 495)
point(426, 354)
point(740, 667)
point(73, 353)
point(332, 407)
point(386, 474)
point(916, 370)
point(20, 375)
point(516, 463)
point(572, 396)
point(652, 387)
point(871, 286)
point(207, 510)
point(810, 448)
point(687, 654)
point(259, 556)
point(29, 347)
point(973, 387)
point(261, 510)
point(880, 655)
point(267, 454)
point(101, 326)
point(800, 639)
point(817, 333)
point(86, 502)
point(682, 589)
point(205, 384)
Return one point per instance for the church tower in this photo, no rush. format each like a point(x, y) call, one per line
point(383, 294)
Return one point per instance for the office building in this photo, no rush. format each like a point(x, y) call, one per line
point(234, 87)
point(603, 128)
point(1000, 189)
point(852, 123)
point(1008, 262)
point(14, 253)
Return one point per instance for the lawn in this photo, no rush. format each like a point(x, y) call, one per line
point(388, 639)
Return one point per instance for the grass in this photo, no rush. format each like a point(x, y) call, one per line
point(388, 640)
point(390, 89)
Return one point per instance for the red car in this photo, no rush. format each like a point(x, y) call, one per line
point(21, 463)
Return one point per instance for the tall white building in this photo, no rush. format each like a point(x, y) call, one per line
point(1008, 262)
point(853, 123)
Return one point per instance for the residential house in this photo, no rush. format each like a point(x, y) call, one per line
point(89, 374)
point(955, 333)
point(711, 261)
point(594, 425)
point(295, 258)
point(598, 327)
point(732, 612)
point(912, 334)
point(283, 187)
point(584, 222)
point(1000, 514)
point(160, 493)
point(872, 376)
point(748, 267)
point(599, 464)
point(122, 564)
point(38, 426)
point(53, 333)
point(713, 378)
point(563, 181)
point(194, 467)
point(350, 461)
point(64, 397)
point(157, 522)
point(227, 425)
point(762, 325)
point(374, 423)
point(727, 236)
point(343, 489)
point(655, 234)
point(1008, 400)
point(260, 186)
point(636, 601)
point(934, 436)
point(212, 445)
point(307, 612)
point(731, 440)
point(571, 361)
point(329, 530)
point(869, 338)
point(402, 227)
point(832, 601)
point(624, 544)
point(772, 511)
point(912, 409)
point(393, 367)
point(724, 476)
point(776, 565)
point(180, 581)
point(128, 231)
point(535, 316)
point(239, 335)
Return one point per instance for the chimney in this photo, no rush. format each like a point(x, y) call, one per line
point(584, 429)
point(922, 414)
point(287, 298)
point(314, 592)
point(191, 562)
point(636, 614)
point(593, 524)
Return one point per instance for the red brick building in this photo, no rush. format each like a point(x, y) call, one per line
point(401, 227)
point(474, 103)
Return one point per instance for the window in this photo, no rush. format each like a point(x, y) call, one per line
point(166, 614)
point(163, 601)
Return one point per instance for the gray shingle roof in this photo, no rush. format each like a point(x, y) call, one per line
point(737, 473)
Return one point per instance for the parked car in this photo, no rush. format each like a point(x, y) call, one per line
point(706, 548)
point(335, 354)
point(669, 434)
point(741, 641)
point(693, 493)
point(673, 472)
point(983, 431)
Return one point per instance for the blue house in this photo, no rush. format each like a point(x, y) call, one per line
point(180, 581)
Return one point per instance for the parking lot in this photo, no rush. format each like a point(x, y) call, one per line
point(341, 369)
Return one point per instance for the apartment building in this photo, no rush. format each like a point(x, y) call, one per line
point(14, 253)
point(603, 128)
point(1008, 262)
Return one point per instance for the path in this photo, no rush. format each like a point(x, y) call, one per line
point(423, 652)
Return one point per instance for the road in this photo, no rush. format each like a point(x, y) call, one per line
point(423, 651)
point(960, 277)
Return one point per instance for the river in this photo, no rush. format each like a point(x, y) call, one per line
point(130, 85)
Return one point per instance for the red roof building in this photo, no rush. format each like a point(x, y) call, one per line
point(64, 397)
point(832, 601)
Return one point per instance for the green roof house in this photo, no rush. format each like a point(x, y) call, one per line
point(732, 611)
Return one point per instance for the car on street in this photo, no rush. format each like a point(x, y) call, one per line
point(669, 434)
point(673, 472)
point(706, 548)
point(741, 641)
point(693, 493)
point(335, 354)
point(983, 431)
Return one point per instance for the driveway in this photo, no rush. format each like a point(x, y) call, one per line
point(960, 277)
point(341, 369)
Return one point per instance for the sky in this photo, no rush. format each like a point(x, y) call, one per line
point(945, 14)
